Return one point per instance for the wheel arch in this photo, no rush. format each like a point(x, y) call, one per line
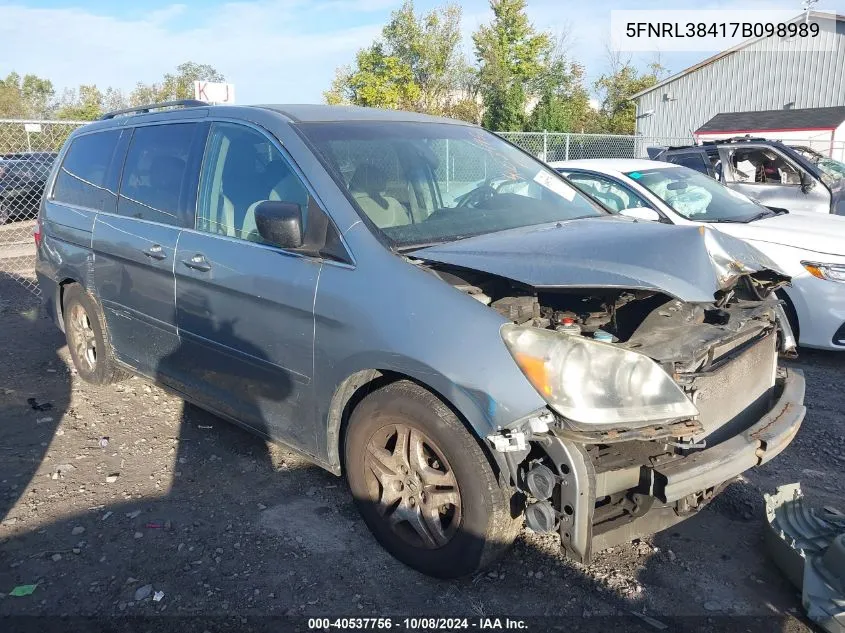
point(358, 385)
point(60, 299)
point(791, 312)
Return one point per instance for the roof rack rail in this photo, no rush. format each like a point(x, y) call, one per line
point(143, 109)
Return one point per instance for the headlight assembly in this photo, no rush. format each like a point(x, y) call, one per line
point(830, 272)
point(596, 385)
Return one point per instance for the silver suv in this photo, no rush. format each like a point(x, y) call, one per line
point(770, 172)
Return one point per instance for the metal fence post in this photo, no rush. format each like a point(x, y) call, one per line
point(566, 154)
point(545, 145)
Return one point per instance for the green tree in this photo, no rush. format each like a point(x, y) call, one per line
point(563, 103)
point(114, 99)
point(510, 54)
point(173, 86)
point(378, 81)
point(416, 65)
point(29, 96)
point(84, 104)
point(37, 95)
point(11, 101)
point(617, 114)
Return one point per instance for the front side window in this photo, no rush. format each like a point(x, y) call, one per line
point(696, 196)
point(242, 168)
point(611, 194)
point(423, 183)
point(83, 178)
point(763, 166)
point(155, 183)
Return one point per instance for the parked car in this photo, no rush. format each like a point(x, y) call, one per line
point(44, 158)
point(21, 186)
point(810, 248)
point(326, 278)
point(768, 171)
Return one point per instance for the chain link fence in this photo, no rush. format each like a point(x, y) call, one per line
point(28, 149)
point(557, 146)
point(27, 152)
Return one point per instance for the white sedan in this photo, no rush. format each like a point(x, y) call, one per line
point(808, 247)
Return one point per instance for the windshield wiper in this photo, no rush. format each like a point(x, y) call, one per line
point(768, 213)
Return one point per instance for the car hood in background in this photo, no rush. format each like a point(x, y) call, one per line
point(816, 232)
point(690, 263)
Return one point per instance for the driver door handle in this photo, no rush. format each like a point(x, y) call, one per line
point(198, 262)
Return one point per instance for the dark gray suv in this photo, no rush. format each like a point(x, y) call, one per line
point(421, 306)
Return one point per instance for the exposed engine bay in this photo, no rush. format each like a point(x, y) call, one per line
point(723, 355)
point(666, 329)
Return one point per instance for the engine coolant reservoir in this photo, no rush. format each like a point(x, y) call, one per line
point(569, 326)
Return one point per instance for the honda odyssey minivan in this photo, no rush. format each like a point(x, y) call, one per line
point(420, 306)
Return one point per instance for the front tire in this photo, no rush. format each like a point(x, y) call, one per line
point(87, 338)
point(423, 484)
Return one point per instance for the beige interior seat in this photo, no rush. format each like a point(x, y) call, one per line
point(368, 187)
point(282, 185)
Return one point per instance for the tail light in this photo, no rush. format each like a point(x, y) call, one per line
point(36, 232)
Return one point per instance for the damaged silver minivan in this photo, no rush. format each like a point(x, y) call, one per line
point(417, 304)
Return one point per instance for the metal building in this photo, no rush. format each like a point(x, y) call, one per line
point(758, 74)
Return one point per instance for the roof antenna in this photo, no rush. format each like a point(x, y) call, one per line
point(807, 4)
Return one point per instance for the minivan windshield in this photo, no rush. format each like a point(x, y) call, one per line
point(426, 183)
point(698, 197)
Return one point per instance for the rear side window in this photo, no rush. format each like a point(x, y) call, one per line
point(693, 161)
point(87, 176)
point(155, 184)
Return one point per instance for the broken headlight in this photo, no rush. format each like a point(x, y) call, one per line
point(596, 385)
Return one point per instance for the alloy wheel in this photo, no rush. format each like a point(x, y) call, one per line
point(82, 337)
point(414, 488)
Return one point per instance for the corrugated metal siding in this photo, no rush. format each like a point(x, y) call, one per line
point(750, 79)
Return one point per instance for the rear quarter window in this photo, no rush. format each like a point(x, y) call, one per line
point(86, 177)
point(693, 161)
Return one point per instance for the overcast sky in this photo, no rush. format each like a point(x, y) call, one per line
point(282, 51)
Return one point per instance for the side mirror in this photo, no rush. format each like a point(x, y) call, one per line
point(641, 213)
point(807, 182)
point(279, 223)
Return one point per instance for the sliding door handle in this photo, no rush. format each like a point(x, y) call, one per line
point(198, 262)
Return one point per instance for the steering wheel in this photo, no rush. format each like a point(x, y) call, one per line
point(480, 194)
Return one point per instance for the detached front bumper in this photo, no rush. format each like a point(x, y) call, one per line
point(656, 495)
point(753, 447)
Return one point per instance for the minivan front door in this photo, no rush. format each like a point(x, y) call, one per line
point(134, 248)
point(766, 175)
point(245, 307)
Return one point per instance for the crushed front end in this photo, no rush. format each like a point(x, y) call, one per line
point(655, 403)
point(599, 483)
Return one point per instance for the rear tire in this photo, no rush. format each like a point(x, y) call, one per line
point(87, 338)
point(423, 484)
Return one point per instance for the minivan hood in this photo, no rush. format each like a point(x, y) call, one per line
point(815, 232)
point(690, 263)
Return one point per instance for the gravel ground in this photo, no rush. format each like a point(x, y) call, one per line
point(179, 502)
